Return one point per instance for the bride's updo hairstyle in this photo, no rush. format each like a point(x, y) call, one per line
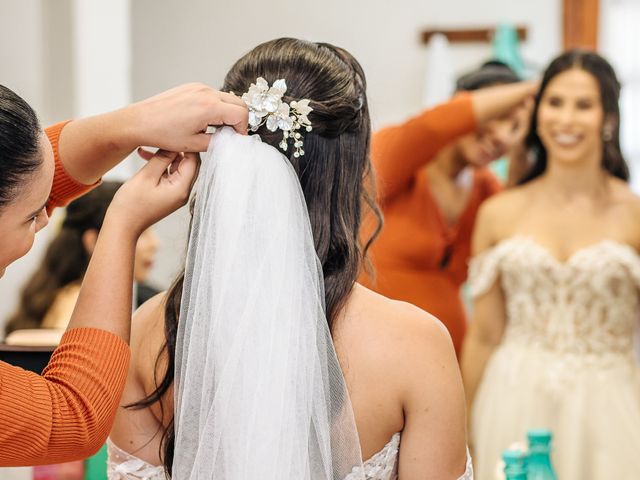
point(336, 159)
point(334, 172)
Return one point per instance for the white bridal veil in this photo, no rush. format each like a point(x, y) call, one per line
point(259, 390)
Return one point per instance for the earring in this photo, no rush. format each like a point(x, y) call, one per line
point(607, 134)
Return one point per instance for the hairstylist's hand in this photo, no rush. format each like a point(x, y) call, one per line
point(176, 120)
point(160, 187)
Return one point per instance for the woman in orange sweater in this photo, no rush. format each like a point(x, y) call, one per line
point(430, 198)
point(66, 413)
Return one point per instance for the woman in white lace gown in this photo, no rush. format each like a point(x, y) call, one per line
point(556, 279)
point(399, 364)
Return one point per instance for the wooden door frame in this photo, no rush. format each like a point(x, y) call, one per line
point(580, 23)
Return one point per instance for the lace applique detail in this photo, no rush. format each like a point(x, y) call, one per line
point(124, 466)
point(384, 464)
point(468, 471)
point(484, 270)
point(586, 306)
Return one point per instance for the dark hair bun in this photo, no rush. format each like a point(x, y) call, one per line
point(492, 72)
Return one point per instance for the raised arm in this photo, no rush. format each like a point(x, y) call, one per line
point(174, 120)
point(494, 102)
point(398, 152)
point(67, 412)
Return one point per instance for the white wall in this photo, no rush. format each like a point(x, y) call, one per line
point(24, 70)
point(198, 40)
point(41, 62)
point(179, 41)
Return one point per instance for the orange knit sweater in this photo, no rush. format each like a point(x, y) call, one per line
point(66, 413)
point(418, 257)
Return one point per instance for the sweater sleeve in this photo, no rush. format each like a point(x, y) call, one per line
point(65, 188)
point(398, 152)
point(66, 413)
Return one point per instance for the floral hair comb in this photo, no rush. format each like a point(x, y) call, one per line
point(266, 107)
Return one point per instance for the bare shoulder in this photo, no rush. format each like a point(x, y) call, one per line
point(627, 207)
point(147, 333)
point(497, 215)
point(623, 194)
point(148, 317)
point(411, 356)
point(506, 203)
point(402, 334)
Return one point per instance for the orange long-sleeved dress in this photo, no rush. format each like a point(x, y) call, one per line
point(418, 257)
point(66, 413)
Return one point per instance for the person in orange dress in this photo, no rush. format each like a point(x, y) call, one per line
point(431, 177)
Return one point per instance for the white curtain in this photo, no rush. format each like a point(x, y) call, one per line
point(620, 43)
point(439, 78)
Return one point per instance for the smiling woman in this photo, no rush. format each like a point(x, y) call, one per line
point(555, 280)
point(578, 115)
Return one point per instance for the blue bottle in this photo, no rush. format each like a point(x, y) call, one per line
point(515, 464)
point(539, 464)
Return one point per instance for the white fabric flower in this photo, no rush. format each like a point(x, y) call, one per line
point(266, 107)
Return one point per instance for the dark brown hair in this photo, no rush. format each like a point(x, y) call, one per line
point(490, 73)
point(66, 258)
point(19, 144)
point(335, 171)
point(612, 159)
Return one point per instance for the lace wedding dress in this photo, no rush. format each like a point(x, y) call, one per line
point(566, 360)
point(382, 466)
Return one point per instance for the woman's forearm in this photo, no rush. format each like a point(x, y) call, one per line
point(90, 147)
point(175, 120)
point(105, 298)
point(494, 102)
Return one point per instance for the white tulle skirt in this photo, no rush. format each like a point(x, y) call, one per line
point(590, 402)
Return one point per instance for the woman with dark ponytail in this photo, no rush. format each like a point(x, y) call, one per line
point(556, 281)
point(49, 296)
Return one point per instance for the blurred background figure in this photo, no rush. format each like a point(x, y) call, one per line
point(556, 282)
point(49, 297)
point(432, 176)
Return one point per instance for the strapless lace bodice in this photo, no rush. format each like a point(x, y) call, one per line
point(382, 466)
point(566, 359)
point(124, 466)
point(586, 305)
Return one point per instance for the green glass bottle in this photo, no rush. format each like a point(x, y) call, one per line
point(539, 465)
point(515, 464)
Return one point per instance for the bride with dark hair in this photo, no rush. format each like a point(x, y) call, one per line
point(266, 359)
